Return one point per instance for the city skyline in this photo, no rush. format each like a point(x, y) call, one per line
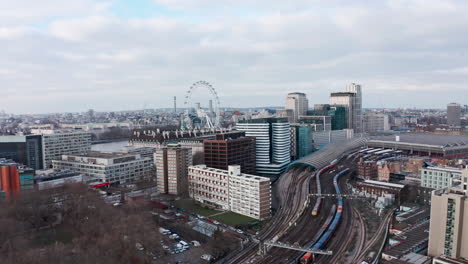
point(70, 57)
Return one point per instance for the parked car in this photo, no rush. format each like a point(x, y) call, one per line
point(139, 246)
point(207, 257)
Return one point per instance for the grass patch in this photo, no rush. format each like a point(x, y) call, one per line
point(233, 219)
point(195, 208)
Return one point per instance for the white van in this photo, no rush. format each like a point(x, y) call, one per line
point(195, 243)
point(164, 231)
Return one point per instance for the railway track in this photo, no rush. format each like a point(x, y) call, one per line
point(286, 226)
point(291, 202)
point(309, 225)
point(362, 235)
point(377, 236)
point(337, 245)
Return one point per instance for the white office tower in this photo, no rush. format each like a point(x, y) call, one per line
point(375, 122)
point(272, 144)
point(298, 103)
point(56, 143)
point(352, 101)
point(453, 115)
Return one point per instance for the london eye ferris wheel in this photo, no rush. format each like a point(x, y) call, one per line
point(197, 117)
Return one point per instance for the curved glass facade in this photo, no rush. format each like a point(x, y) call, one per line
point(272, 144)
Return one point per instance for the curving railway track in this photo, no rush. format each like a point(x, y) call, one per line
point(294, 224)
point(294, 189)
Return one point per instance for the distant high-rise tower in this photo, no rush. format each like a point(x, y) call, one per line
point(197, 107)
point(453, 114)
point(352, 101)
point(175, 104)
point(90, 115)
point(210, 103)
point(298, 103)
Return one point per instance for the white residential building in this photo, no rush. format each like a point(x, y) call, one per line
point(440, 177)
point(56, 143)
point(108, 167)
point(231, 190)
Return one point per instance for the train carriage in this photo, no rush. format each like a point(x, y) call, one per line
point(321, 243)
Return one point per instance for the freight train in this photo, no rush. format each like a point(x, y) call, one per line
point(321, 243)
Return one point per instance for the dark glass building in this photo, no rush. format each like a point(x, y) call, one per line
point(231, 148)
point(26, 150)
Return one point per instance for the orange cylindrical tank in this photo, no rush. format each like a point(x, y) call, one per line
point(14, 179)
point(1, 173)
point(5, 179)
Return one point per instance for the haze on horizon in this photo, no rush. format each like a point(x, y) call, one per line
point(69, 56)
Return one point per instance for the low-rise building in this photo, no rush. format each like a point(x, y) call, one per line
point(448, 260)
point(53, 179)
point(113, 168)
point(383, 171)
point(367, 169)
point(231, 190)
point(378, 189)
point(408, 237)
point(440, 177)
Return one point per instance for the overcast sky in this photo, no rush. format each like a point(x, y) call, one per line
point(70, 56)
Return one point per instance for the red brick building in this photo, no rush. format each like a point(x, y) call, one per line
point(383, 172)
point(367, 170)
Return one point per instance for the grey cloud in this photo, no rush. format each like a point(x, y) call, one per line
point(406, 47)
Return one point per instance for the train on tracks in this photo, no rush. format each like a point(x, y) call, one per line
point(318, 202)
point(321, 243)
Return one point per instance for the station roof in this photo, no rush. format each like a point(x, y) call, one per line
point(425, 139)
point(330, 152)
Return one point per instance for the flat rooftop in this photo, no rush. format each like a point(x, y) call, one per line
point(102, 155)
point(426, 139)
point(225, 172)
